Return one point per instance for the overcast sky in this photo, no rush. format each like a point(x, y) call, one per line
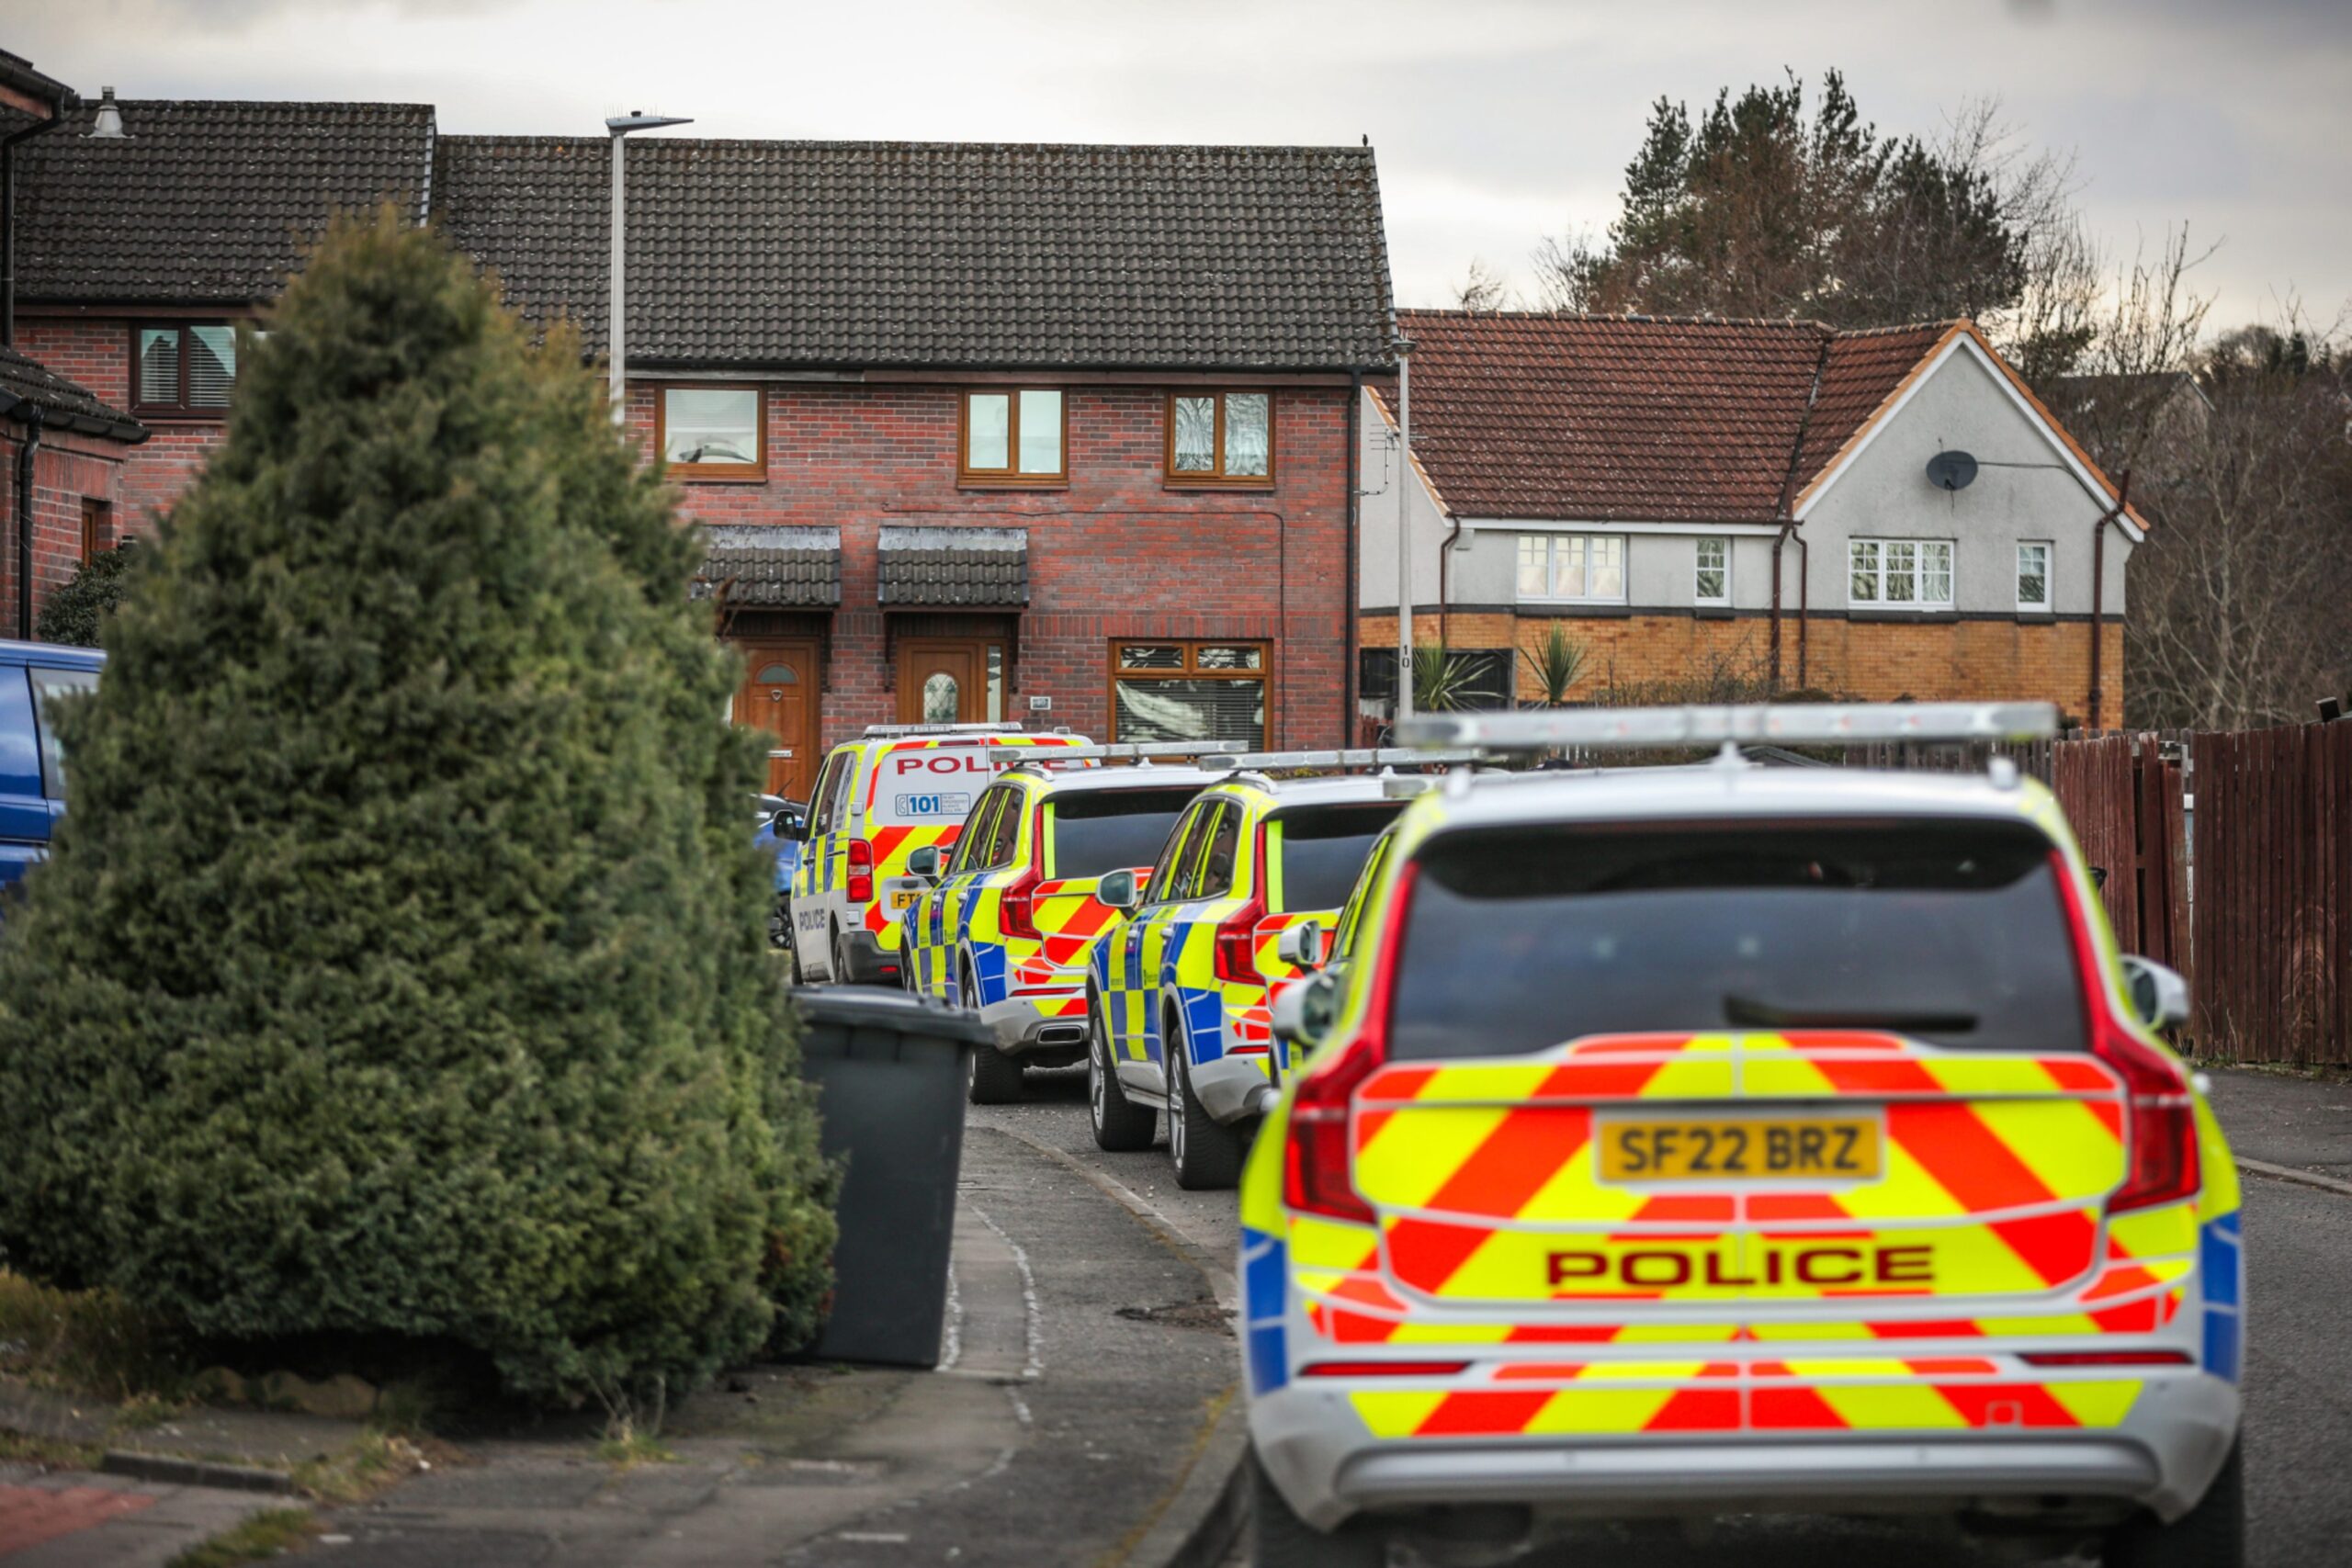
point(1497, 121)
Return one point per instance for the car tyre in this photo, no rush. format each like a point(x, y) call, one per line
point(997, 1078)
point(1280, 1539)
point(1208, 1153)
point(1120, 1124)
point(2211, 1535)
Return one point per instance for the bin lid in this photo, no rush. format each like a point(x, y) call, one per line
point(872, 1007)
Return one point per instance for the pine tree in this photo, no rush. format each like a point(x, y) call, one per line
point(400, 969)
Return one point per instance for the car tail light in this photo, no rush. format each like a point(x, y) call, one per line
point(1317, 1177)
point(2160, 1118)
point(2108, 1358)
point(861, 871)
point(1016, 913)
point(1382, 1369)
point(1236, 959)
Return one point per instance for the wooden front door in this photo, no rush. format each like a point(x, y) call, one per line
point(942, 681)
point(780, 696)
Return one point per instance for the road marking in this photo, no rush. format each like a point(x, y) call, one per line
point(2288, 1173)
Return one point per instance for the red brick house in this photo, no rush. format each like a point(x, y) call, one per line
point(1060, 434)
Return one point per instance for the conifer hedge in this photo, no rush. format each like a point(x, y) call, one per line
point(400, 968)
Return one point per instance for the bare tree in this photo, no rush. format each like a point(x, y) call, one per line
point(1483, 290)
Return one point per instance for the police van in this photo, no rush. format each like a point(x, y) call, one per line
point(1736, 1140)
point(896, 789)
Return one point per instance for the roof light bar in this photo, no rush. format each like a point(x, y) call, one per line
point(1121, 750)
point(887, 730)
point(1353, 757)
point(1793, 724)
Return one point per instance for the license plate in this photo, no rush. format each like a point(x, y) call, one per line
point(904, 898)
point(1691, 1148)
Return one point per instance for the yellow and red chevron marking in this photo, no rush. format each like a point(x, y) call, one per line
point(1069, 919)
point(891, 848)
point(1481, 1169)
point(1633, 1398)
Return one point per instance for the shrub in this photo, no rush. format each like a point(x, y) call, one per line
point(400, 968)
point(78, 612)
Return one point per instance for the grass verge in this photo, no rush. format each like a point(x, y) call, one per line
point(263, 1535)
point(354, 1474)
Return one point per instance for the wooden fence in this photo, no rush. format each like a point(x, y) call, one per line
point(2253, 902)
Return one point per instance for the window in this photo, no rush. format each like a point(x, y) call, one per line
point(2034, 575)
point(1013, 436)
point(1587, 567)
point(977, 834)
point(1899, 574)
point(98, 526)
point(1221, 438)
point(1167, 879)
point(1096, 831)
point(1189, 691)
point(1713, 583)
point(48, 686)
point(1319, 851)
point(712, 433)
point(188, 369)
point(1216, 879)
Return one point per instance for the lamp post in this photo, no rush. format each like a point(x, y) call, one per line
point(616, 347)
point(1404, 529)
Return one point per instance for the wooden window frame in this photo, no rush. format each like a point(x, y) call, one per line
point(97, 522)
point(1190, 670)
point(180, 409)
point(1010, 477)
point(709, 473)
point(1217, 478)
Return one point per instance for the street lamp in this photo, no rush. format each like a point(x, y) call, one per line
point(1404, 529)
point(616, 347)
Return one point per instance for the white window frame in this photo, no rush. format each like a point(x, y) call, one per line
point(1699, 566)
point(1881, 548)
point(1551, 544)
point(2048, 588)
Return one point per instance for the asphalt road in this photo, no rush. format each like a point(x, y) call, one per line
point(2299, 1378)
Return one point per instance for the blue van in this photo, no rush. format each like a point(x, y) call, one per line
point(33, 675)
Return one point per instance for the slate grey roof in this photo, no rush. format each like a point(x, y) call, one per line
point(205, 201)
point(64, 403)
point(955, 566)
point(772, 566)
point(841, 255)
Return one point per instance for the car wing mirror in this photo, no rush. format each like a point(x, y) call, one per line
point(2158, 995)
point(924, 862)
point(1119, 890)
point(1301, 945)
point(1302, 1014)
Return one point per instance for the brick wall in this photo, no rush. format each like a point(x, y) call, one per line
point(67, 469)
point(1115, 554)
point(1869, 660)
point(96, 352)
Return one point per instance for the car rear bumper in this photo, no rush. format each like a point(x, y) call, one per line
point(1041, 1024)
point(1227, 1087)
point(2162, 1457)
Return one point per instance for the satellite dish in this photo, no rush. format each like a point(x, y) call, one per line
point(1952, 471)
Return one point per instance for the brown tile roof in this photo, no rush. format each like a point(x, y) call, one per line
point(205, 202)
point(953, 566)
point(782, 253)
point(1641, 419)
point(772, 566)
point(63, 404)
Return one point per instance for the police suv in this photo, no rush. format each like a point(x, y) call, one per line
point(1009, 912)
point(896, 789)
point(1736, 1140)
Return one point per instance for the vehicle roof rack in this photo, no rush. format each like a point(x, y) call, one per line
point(1784, 724)
point(1351, 757)
point(1137, 752)
point(878, 732)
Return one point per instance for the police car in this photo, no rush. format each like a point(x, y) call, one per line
point(1176, 1011)
point(896, 789)
point(1009, 912)
point(1740, 1140)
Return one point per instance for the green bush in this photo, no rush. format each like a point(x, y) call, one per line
point(401, 966)
point(78, 612)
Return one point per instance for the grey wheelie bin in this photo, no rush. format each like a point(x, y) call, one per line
point(889, 1070)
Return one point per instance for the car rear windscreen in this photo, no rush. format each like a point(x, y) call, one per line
point(1951, 932)
point(1102, 831)
point(1323, 850)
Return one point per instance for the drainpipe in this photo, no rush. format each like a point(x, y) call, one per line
point(1778, 539)
point(1444, 560)
point(1789, 522)
point(1804, 608)
point(2099, 590)
point(30, 415)
point(1350, 609)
